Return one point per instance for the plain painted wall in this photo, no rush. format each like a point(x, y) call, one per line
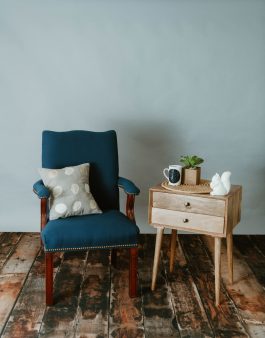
point(171, 77)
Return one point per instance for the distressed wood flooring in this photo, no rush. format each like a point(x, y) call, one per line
point(91, 296)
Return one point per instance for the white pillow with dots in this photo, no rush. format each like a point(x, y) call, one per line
point(70, 192)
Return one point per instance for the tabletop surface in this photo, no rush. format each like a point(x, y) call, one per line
point(159, 188)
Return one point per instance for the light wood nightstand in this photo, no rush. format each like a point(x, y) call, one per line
point(215, 216)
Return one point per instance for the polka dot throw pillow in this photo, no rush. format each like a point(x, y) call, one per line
point(70, 192)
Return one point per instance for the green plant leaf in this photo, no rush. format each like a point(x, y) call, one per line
point(191, 161)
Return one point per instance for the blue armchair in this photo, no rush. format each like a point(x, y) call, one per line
point(109, 230)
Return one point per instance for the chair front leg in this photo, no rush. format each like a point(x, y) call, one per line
point(133, 251)
point(49, 277)
point(133, 272)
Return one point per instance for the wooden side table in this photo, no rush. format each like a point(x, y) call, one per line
point(215, 216)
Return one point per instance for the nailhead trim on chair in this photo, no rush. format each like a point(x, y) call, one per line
point(93, 247)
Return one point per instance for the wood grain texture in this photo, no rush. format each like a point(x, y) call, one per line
point(183, 304)
point(249, 249)
point(126, 315)
point(43, 212)
point(224, 319)
point(150, 204)
point(259, 241)
point(59, 319)
point(187, 203)
point(173, 243)
point(191, 176)
point(23, 256)
point(8, 243)
point(188, 221)
point(198, 214)
point(255, 259)
point(29, 309)
point(159, 317)
point(133, 270)
point(159, 238)
point(10, 286)
point(233, 190)
point(49, 278)
point(247, 294)
point(229, 251)
point(113, 257)
point(14, 272)
point(130, 207)
point(170, 208)
point(191, 318)
point(233, 206)
point(217, 268)
point(26, 317)
point(93, 309)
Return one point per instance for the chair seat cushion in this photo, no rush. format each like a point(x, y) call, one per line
point(107, 230)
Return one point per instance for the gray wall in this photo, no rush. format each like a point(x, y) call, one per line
point(172, 77)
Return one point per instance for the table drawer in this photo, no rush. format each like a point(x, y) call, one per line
point(187, 203)
point(188, 221)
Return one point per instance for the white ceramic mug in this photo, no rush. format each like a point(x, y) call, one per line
point(173, 174)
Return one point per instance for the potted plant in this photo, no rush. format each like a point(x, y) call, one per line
point(191, 173)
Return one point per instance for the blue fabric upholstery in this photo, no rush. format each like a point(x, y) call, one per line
point(128, 186)
point(106, 230)
point(40, 189)
point(62, 149)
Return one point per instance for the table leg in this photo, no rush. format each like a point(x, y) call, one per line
point(159, 236)
point(172, 249)
point(217, 267)
point(229, 245)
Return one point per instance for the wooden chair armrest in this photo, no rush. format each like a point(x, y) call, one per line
point(130, 207)
point(43, 212)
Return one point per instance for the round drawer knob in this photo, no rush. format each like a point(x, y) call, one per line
point(185, 220)
point(187, 204)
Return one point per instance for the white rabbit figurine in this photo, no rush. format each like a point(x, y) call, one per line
point(221, 185)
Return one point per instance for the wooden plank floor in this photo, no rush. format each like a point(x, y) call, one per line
point(91, 296)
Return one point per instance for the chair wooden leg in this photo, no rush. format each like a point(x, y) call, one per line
point(49, 277)
point(114, 257)
point(133, 272)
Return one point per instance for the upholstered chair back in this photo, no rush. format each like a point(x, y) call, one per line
point(63, 149)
